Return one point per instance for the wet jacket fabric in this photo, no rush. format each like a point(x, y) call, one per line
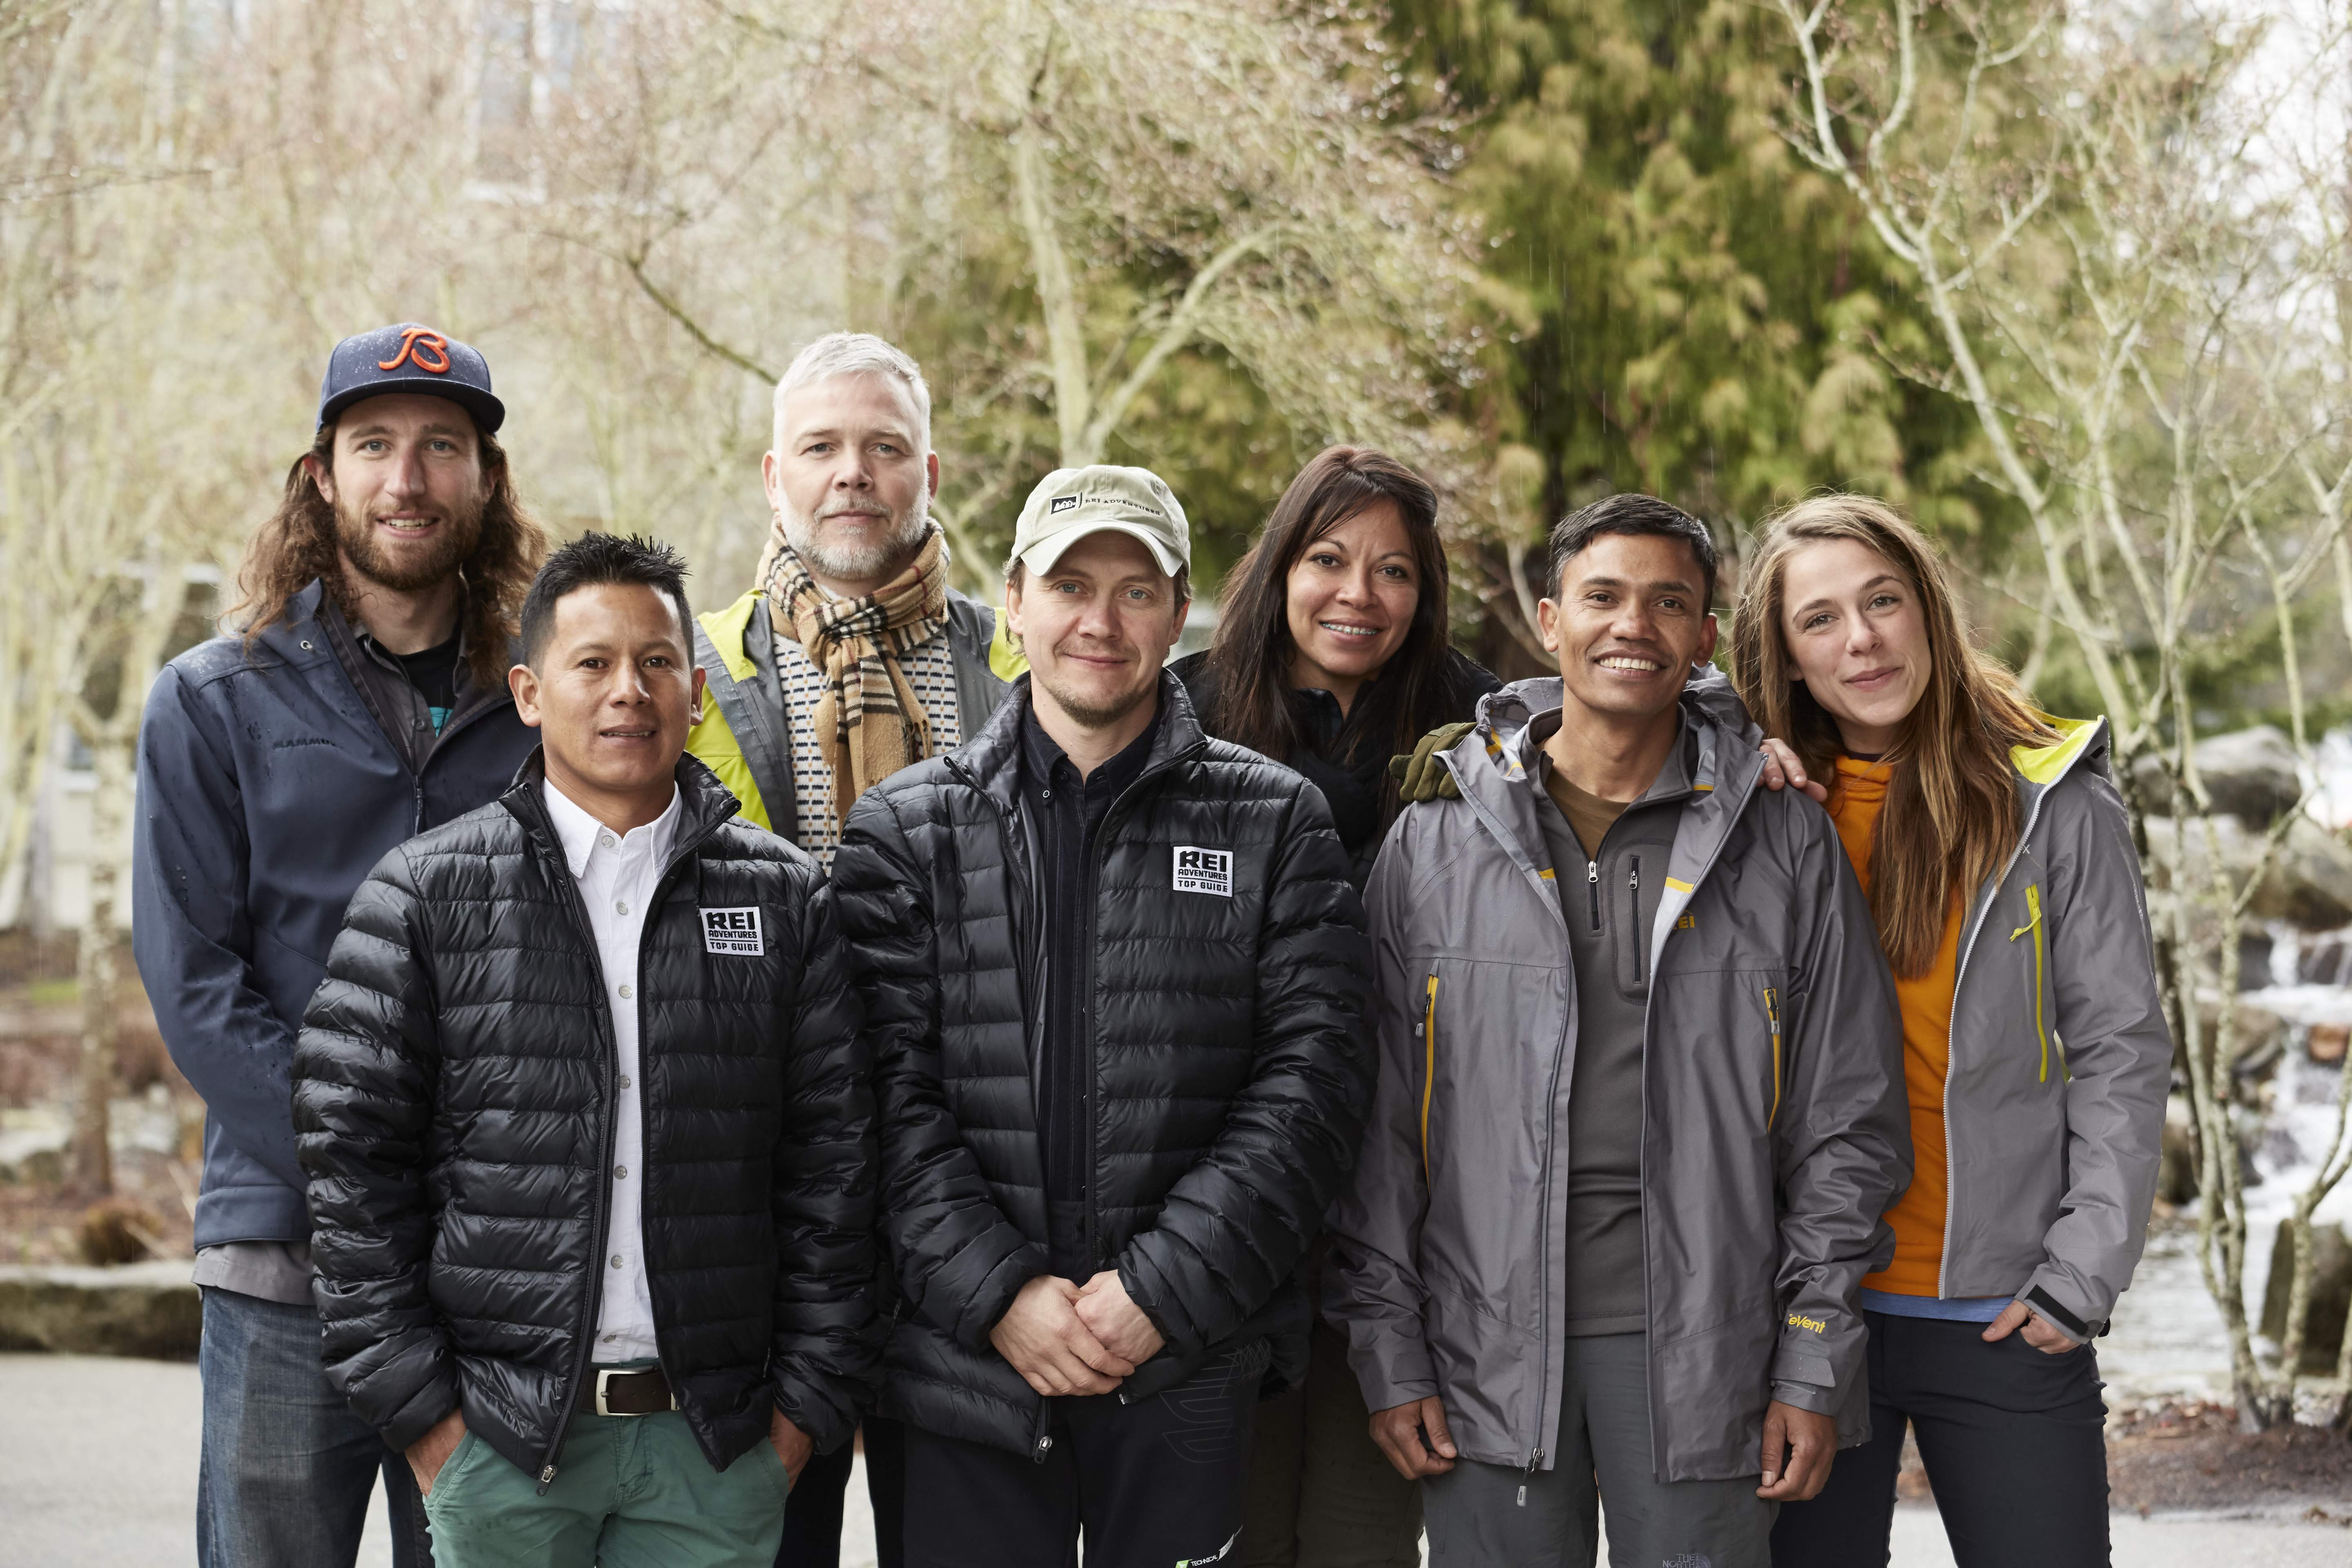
point(454, 1094)
point(745, 735)
point(2060, 1061)
point(1774, 1128)
point(268, 788)
point(1230, 1070)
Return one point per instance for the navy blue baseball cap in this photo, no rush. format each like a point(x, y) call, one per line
point(409, 358)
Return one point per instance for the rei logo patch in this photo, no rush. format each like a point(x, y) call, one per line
point(735, 933)
point(1200, 870)
point(1060, 503)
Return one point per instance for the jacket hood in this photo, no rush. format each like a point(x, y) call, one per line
point(2087, 743)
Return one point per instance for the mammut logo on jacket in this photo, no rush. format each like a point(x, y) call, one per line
point(427, 351)
point(734, 934)
point(1200, 870)
point(1815, 1324)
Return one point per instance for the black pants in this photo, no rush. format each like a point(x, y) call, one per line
point(2014, 1441)
point(1150, 1484)
point(813, 1516)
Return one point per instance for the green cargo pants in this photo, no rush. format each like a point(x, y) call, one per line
point(632, 1491)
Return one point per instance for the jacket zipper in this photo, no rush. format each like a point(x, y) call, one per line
point(2041, 1027)
point(1592, 888)
point(1772, 1013)
point(586, 1336)
point(1634, 919)
point(1428, 1032)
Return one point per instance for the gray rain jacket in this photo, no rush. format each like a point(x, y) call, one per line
point(1775, 1131)
point(2053, 1102)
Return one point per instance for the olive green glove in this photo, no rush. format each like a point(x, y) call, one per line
point(1422, 776)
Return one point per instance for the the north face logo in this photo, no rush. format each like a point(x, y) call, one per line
point(1200, 870)
point(734, 934)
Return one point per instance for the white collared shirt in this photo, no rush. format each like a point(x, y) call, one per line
point(617, 874)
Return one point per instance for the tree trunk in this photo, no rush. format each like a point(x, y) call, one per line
point(94, 969)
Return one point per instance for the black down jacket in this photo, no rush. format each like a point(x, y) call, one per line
point(1231, 1072)
point(453, 1097)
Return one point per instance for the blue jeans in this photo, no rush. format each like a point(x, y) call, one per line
point(286, 1468)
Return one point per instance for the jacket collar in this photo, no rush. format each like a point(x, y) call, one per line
point(702, 803)
point(1490, 762)
point(2082, 742)
point(991, 759)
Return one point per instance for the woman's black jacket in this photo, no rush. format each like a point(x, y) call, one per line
point(453, 1098)
point(1231, 1072)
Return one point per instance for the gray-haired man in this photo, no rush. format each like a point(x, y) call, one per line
point(849, 658)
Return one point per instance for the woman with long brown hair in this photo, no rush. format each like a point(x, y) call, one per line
point(1996, 856)
point(1331, 655)
point(1331, 652)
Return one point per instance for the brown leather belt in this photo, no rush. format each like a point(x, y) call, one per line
point(636, 1391)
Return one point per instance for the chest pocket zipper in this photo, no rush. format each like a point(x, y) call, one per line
point(1428, 1032)
point(2041, 1024)
point(1772, 1017)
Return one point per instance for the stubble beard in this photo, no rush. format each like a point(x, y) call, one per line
point(1096, 715)
point(455, 545)
point(885, 556)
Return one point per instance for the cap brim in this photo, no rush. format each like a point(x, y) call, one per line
point(1040, 557)
point(488, 411)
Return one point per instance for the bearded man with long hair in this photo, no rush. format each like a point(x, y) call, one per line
point(359, 698)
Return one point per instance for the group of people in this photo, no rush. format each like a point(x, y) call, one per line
point(1244, 1111)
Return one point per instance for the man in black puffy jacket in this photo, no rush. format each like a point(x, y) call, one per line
point(589, 1127)
point(1113, 971)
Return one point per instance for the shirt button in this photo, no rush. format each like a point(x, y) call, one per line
point(621, 905)
point(627, 992)
point(621, 1173)
point(624, 1080)
point(610, 1337)
point(616, 1260)
point(606, 840)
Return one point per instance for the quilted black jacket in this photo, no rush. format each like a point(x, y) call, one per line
point(1232, 1073)
point(453, 1097)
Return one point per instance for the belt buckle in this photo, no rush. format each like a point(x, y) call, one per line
point(604, 1373)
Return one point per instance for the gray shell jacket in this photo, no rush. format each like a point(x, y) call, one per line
point(2054, 1100)
point(1775, 1131)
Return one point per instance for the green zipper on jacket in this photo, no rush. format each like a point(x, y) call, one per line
point(2041, 1025)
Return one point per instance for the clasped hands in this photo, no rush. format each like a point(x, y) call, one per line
point(1067, 1338)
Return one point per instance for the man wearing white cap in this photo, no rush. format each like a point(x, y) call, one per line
point(1114, 971)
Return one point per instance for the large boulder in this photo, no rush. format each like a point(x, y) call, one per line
point(2248, 773)
point(2331, 1294)
point(141, 1310)
point(2310, 881)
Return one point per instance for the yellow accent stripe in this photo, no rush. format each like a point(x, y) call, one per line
point(1702, 789)
point(1676, 885)
point(1546, 876)
point(2033, 907)
point(1428, 1070)
point(1772, 1013)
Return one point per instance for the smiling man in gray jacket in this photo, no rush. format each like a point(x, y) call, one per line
point(1640, 1105)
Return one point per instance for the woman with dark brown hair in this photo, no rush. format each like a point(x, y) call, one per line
point(1331, 656)
point(2000, 875)
point(1332, 653)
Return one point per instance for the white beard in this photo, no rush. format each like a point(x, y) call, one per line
point(897, 545)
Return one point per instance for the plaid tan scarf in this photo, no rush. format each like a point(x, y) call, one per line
point(868, 723)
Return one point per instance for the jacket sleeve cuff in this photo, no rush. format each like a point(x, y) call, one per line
point(994, 1297)
point(1805, 1396)
point(2038, 1299)
point(1393, 1370)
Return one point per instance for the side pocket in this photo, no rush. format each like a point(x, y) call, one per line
point(1772, 1017)
point(1428, 1033)
point(2040, 967)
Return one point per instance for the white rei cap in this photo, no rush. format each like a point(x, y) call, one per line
point(1070, 503)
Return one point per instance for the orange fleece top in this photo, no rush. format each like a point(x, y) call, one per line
point(1919, 1217)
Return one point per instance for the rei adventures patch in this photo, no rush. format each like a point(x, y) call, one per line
point(733, 934)
point(1200, 870)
